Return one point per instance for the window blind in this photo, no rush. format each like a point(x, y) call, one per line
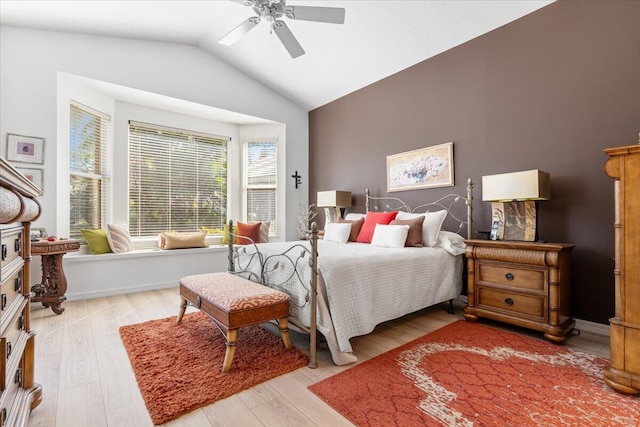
point(177, 180)
point(89, 176)
point(260, 178)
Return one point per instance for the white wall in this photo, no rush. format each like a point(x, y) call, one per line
point(31, 62)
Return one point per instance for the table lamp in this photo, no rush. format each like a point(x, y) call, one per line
point(332, 201)
point(514, 206)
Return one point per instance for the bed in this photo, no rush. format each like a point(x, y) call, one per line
point(344, 290)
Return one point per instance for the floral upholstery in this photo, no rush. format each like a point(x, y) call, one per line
point(232, 293)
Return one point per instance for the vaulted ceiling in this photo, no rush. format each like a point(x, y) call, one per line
point(377, 39)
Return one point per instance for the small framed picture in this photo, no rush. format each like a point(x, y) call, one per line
point(25, 149)
point(34, 175)
point(38, 233)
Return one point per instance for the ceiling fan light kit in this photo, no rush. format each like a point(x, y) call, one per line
point(272, 10)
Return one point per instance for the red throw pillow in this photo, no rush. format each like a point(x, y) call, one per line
point(373, 218)
point(248, 231)
point(356, 225)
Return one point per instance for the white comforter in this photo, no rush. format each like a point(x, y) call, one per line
point(361, 286)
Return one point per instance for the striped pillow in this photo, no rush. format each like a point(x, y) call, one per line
point(264, 231)
point(119, 238)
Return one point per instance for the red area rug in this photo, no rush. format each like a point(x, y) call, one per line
point(178, 367)
point(468, 374)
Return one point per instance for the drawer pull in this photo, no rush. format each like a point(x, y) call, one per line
point(4, 416)
point(4, 252)
point(8, 349)
point(509, 276)
point(18, 378)
point(3, 301)
point(508, 301)
point(18, 284)
point(21, 322)
point(17, 245)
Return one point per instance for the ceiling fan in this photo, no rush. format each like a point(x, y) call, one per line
point(272, 10)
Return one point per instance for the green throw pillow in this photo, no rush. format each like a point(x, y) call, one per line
point(97, 241)
point(225, 234)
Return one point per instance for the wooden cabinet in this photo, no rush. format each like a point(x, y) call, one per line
point(623, 371)
point(523, 283)
point(18, 207)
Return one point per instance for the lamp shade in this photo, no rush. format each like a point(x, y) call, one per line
point(334, 198)
point(526, 185)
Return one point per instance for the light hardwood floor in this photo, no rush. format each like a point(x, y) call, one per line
point(88, 381)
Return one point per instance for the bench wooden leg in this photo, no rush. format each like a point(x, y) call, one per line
point(183, 307)
point(284, 332)
point(232, 335)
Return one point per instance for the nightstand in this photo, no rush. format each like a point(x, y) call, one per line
point(526, 284)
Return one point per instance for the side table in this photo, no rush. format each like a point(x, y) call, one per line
point(50, 292)
point(527, 284)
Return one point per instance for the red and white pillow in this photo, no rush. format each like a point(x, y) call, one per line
point(424, 228)
point(370, 222)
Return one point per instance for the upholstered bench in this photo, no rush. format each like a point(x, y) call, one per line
point(233, 302)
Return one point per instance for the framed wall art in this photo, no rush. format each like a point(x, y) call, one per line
point(25, 149)
point(34, 175)
point(428, 167)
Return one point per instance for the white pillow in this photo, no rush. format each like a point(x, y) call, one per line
point(390, 236)
point(430, 227)
point(119, 238)
point(354, 216)
point(337, 232)
point(451, 242)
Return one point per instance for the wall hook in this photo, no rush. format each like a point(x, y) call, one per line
point(297, 178)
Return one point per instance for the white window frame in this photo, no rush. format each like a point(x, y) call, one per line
point(211, 238)
point(105, 176)
point(246, 186)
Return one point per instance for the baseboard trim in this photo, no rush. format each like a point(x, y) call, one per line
point(77, 296)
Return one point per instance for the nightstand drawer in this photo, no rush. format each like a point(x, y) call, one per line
point(523, 305)
point(521, 277)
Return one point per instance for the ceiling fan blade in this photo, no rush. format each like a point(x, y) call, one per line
point(332, 15)
point(237, 33)
point(288, 39)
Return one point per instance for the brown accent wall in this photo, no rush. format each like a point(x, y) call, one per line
point(549, 91)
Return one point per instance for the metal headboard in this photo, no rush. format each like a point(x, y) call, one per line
point(448, 203)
